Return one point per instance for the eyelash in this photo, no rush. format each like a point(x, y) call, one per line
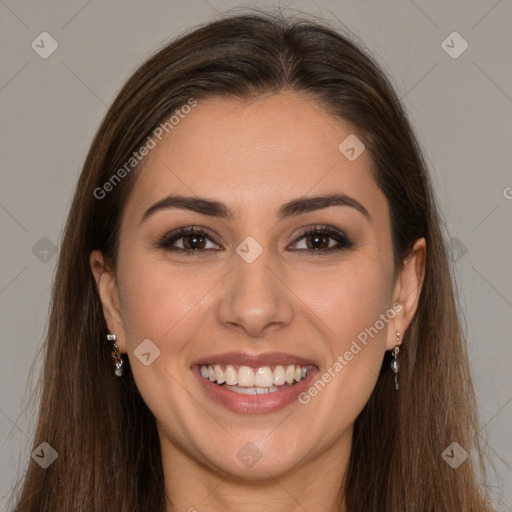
point(343, 240)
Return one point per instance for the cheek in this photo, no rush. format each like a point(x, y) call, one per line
point(358, 313)
point(166, 306)
point(157, 301)
point(160, 309)
point(348, 300)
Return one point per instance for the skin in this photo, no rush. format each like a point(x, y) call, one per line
point(254, 156)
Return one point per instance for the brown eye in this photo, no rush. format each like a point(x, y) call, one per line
point(193, 240)
point(319, 239)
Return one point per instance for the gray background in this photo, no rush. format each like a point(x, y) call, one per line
point(460, 107)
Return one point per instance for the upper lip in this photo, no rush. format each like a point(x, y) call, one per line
point(256, 360)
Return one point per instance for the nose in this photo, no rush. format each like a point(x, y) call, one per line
point(254, 297)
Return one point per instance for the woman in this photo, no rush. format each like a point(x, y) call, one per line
point(253, 308)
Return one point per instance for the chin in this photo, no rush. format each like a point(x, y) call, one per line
point(256, 461)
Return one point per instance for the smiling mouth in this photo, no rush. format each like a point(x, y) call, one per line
point(249, 380)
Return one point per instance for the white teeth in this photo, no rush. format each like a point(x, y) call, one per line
point(254, 390)
point(219, 374)
point(280, 375)
point(290, 374)
point(245, 376)
point(230, 375)
point(262, 378)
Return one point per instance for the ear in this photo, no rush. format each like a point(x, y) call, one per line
point(107, 288)
point(407, 290)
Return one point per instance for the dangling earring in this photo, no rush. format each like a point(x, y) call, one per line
point(395, 366)
point(116, 355)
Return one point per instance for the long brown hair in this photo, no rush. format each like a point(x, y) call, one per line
point(106, 439)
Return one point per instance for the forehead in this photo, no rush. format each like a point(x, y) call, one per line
point(254, 153)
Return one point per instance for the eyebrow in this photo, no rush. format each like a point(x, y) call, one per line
point(212, 208)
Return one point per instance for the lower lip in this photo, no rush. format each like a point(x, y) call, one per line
point(253, 404)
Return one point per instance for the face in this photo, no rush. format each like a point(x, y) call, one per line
point(265, 280)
